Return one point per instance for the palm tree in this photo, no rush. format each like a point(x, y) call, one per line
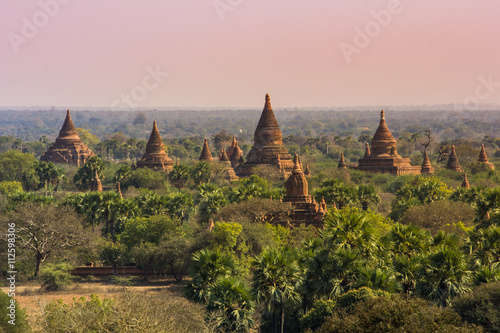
point(207, 267)
point(49, 173)
point(179, 176)
point(276, 281)
point(86, 173)
point(201, 173)
point(334, 191)
point(444, 274)
point(377, 279)
point(350, 229)
point(232, 298)
point(408, 240)
point(333, 272)
point(406, 271)
point(180, 205)
point(367, 194)
point(211, 202)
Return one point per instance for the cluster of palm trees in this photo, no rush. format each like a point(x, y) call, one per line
point(355, 249)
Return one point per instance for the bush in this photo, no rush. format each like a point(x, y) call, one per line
point(129, 312)
point(440, 215)
point(55, 276)
point(7, 187)
point(146, 178)
point(395, 314)
point(21, 322)
point(316, 316)
point(481, 306)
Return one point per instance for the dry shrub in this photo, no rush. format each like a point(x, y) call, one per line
point(440, 215)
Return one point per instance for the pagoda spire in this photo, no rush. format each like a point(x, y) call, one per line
point(268, 148)
point(307, 172)
point(484, 159)
point(205, 152)
point(342, 164)
point(383, 143)
point(68, 130)
point(465, 183)
point(156, 157)
point(453, 161)
point(426, 165)
point(367, 150)
point(482, 155)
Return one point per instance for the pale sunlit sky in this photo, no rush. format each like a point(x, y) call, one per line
point(229, 53)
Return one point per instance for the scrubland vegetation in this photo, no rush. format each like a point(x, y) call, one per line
point(408, 253)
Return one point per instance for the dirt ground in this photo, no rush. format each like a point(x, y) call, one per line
point(33, 300)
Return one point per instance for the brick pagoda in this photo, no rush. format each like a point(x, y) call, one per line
point(206, 155)
point(484, 159)
point(305, 209)
point(156, 157)
point(68, 148)
point(268, 148)
point(383, 156)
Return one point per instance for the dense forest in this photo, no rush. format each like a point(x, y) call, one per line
point(396, 254)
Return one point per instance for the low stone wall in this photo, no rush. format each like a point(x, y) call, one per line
point(106, 270)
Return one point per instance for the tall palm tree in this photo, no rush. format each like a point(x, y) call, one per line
point(366, 194)
point(179, 176)
point(406, 270)
point(180, 205)
point(408, 240)
point(276, 280)
point(444, 274)
point(233, 299)
point(208, 266)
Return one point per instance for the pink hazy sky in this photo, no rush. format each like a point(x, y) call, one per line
point(231, 52)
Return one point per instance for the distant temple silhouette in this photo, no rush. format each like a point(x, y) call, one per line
point(68, 148)
point(383, 156)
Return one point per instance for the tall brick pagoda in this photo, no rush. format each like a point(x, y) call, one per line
point(268, 148)
point(68, 148)
point(206, 155)
point(453, 161)
point(484, 159)
point(383, 156)
point(305, 209)
point(156, 157)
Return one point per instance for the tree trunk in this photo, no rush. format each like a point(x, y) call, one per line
point(282, 317)
point(275, 322)
point(365, 205)
point(38, 262)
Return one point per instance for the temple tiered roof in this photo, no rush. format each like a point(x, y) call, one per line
point(383, 156)
point(155, 157)
point(68, 148)
point(268, 148)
